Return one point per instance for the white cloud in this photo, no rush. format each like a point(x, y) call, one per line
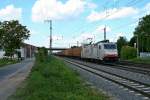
point(116, 37)
point(85, 36)
point(10, 13)
point(81, 38)
point(91, 5)
point(142, 12)
point(57, 37)
point(94, 35)
point(60, 41)
point(113, 14)
point(147, 8)
point(54, 9)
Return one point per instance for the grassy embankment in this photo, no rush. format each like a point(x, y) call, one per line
point(53, 80)
point(4, 62)
point(141, 60)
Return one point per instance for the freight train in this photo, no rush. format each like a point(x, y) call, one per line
point(103, 50)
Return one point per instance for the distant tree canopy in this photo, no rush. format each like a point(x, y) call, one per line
point(132, 41)
point(74, 46)
point(143, 33)
point(120, 43)
point(12, 34)
point(143, 27)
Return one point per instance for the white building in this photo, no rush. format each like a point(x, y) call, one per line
point(27, 51)
point(1, 53)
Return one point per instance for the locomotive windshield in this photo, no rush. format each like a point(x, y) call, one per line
point(109, 46)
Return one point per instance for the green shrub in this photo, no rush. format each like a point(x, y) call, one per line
point(128, 52)
point(42, 54)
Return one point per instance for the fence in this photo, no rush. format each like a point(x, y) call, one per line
point(144, 54)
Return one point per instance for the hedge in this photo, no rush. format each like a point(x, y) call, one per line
point(128, 52)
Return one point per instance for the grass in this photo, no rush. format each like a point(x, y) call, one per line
point(53, 80)
point(5, 61)
point(141, 60)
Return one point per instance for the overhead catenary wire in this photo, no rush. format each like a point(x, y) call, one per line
point(130, 3)
point(133, 2)
point(127, 24)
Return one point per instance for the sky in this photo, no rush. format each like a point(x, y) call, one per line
point(75, 21)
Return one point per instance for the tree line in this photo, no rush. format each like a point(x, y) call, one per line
point(141, 34)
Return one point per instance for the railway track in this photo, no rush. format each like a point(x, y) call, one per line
point(136, 86)
point(129, 63)
point(131, 68)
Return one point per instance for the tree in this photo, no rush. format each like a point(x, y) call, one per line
point(132, 41)
point(143, 27)
point(143, 33)
point(120, 43)
point(12, 34)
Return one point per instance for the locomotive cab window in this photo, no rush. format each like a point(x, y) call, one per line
point(110, 46)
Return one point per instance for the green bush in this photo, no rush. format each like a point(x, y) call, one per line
point(42, 54)
point(128, 52)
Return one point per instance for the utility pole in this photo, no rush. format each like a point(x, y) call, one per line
point(69, 45)
point(137, 45)
point(105, 33)
point(50, 26)
point(77, 43)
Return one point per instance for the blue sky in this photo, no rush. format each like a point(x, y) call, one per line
point(75, 20)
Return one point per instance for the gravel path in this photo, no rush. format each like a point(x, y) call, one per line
point(128, 74)
point(12, 75)
point(114, 90)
